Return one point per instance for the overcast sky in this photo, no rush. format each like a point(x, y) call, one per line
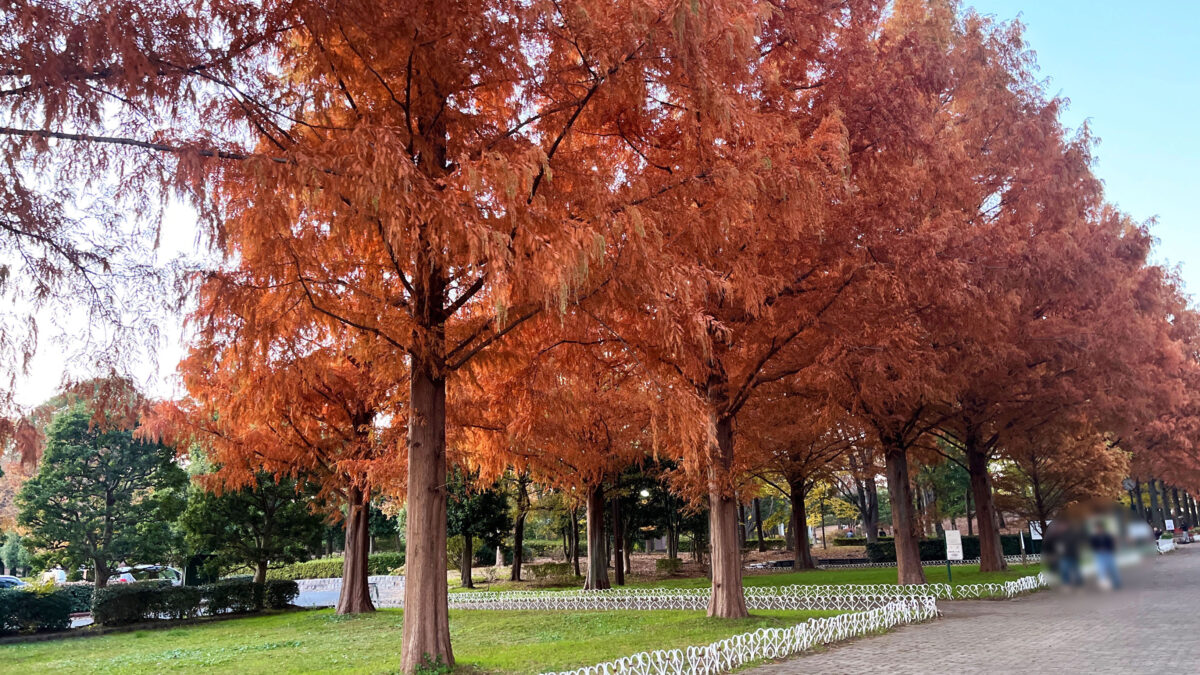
point(1131, 70)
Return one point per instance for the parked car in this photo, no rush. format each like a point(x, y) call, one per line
point(127, 575)
point(10, 582)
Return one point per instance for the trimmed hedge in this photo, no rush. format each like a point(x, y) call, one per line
point(330, 568)
point(935, 549)
point(122, 604)
point(24, 610)
point(81, 593)
point(856, 541)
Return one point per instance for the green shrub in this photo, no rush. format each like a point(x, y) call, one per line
point(118, 604)
point(331, 568)
point(668, 566)
point(81, 593)
point(935, 549)
point(122, 604)
point(550, 570)
point(855, 541)
point(36, 610)
point(280, 593)
point(233, 596)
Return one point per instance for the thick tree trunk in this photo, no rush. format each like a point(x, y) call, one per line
point(102, 573)
point(426, 613)
point(672, 542)
point(726, 599)
point(1175, 506)
point(803, 559)
point(908, 552)
point(597, 571)
point(762, 544)
point(618, 538)
point(991, 553)
point(1138, 503)
point(355, 597)
point(260, 572)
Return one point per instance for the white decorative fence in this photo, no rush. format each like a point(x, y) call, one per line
point(382, 582)
point(795, 597)
point(766, 643)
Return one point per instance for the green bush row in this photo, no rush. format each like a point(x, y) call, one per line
point(328, 568)
point(25, 610)
point(81, 593)
point(935, 549)
point(121, 604)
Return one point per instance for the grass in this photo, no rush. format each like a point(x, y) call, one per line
point(963, 574)
point(321, 641)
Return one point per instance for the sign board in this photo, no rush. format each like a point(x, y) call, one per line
point(1035, 529)
point(954, 549)
point(1170, 525)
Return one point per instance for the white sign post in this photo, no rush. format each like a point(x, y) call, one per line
point(954, 550)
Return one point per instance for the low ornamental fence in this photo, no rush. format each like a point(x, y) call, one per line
point(767, 643)
point(382, 582)
point(796, 597)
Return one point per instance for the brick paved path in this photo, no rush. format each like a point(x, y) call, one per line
point(1148, 626)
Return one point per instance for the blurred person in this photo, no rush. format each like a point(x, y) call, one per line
point(1062, 547)
point(1104, 551)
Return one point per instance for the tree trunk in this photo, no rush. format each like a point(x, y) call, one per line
point(355, 597)
point(871, 522)
point(628, 550)
point(967, 510)
point(260, 572)
point(597, 571)
point(618, 538)
point(1175, 506)
point(468, 553)
point(799, 523)
point(726, 599)
point(672, 542)
point(1137, 500)
point(991, 553)
point(908, 552)
point(102, 573)
point(575, 541)
point(1155, 512)
point(519, 529)
point(426, 613)
point(742, 536)
point(762, 544)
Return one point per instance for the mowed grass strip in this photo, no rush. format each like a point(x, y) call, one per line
point(321, 641)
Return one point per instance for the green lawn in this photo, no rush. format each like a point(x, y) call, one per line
point(963, 574)
point(321, 641)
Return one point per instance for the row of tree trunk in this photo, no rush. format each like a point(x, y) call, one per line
point(1165, 502)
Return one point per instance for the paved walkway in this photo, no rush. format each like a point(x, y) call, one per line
point(1148, 626)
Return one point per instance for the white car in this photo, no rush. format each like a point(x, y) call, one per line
point(11, 582)
point(127, 575)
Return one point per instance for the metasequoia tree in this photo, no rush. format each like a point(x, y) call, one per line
point(793, 443)
point(748, 266)
point(574, 417)
point(268, 392)
point(472, 158)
